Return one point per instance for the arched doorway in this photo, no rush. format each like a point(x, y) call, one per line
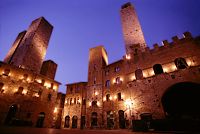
point(40, 120)
point(181, 103)
point(67, 120)
point(94, 120)
point(110, 120)
point(121, 119)
point(74, 121)
point(11, 114)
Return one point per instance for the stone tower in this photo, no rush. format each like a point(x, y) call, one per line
point(14, 47)
point(48, 69)
point(32, 48)
point(97, 61)
point(132, 32)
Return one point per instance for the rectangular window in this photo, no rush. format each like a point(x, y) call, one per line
point(119, 97)
point(107, 83)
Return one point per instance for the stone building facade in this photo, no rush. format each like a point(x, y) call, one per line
point(28, 98)
point(145, 82)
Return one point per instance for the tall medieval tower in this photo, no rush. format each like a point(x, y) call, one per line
point(97, 61)
point(132, 32)
point(29, 49)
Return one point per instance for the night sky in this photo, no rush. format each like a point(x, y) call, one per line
point(83, 24)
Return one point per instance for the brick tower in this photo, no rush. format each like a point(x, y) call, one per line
point(132, 32)
point(97, 61)
point(14, 47)
point(48, 69)
point(31, 50)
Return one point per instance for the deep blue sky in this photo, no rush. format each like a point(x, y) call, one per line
point(82, 24)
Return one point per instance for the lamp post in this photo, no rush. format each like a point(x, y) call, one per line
point(129, 103)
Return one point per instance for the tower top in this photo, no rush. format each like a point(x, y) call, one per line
point(132, 31)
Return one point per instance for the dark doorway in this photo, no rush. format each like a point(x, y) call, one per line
point(94, 120)
point(157, 68)
point(40, 120)
point(121, 119)
point(182, 101)
point(67, 120)
point(110, 120)
point(11, 114)
point(82, 122)
point(74, 121)
point(181, 104)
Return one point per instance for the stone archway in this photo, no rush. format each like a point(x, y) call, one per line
point(182, 100)
point(74, 121)
point(40, 120)
point(11, 114)
point(67, 121)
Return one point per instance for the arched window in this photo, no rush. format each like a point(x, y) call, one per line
point(180, 63)
point(157, 68)
point(138, 74)
point(107, 83)
point(94, 103)
point(107, 97)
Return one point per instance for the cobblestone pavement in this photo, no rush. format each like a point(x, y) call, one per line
point(27, 130)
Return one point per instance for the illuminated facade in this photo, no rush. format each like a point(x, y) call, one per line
point(28, 98)
point(138, 85)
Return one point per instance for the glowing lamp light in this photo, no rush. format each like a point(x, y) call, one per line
point(90, 103)
point(98, 103)
point(133, 77)
point(152, 73)
point(129, 102)
point(55, 110)
point(104, 99)
point(96, 93)
point(79, 101)
point(115, 97)
point(123, 96)
point(110, 98)
point(54, 87)
point(114, 81)
point(36, 95)
point(121, 79)
point(165, 70)
point(174, 67)
point(39, 80)
point(128, 57)
point(24, 92)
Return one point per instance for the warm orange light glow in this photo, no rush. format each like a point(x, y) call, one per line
point(55, 110)
point(104, 99)
point(90, 103)
point(121, 79)
point(96, 93)
point(98, 103)
point(39, 80)
point(55, 87)
point(110, 98)
point(128, 56)
point(24, 92)
point(115, 97)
